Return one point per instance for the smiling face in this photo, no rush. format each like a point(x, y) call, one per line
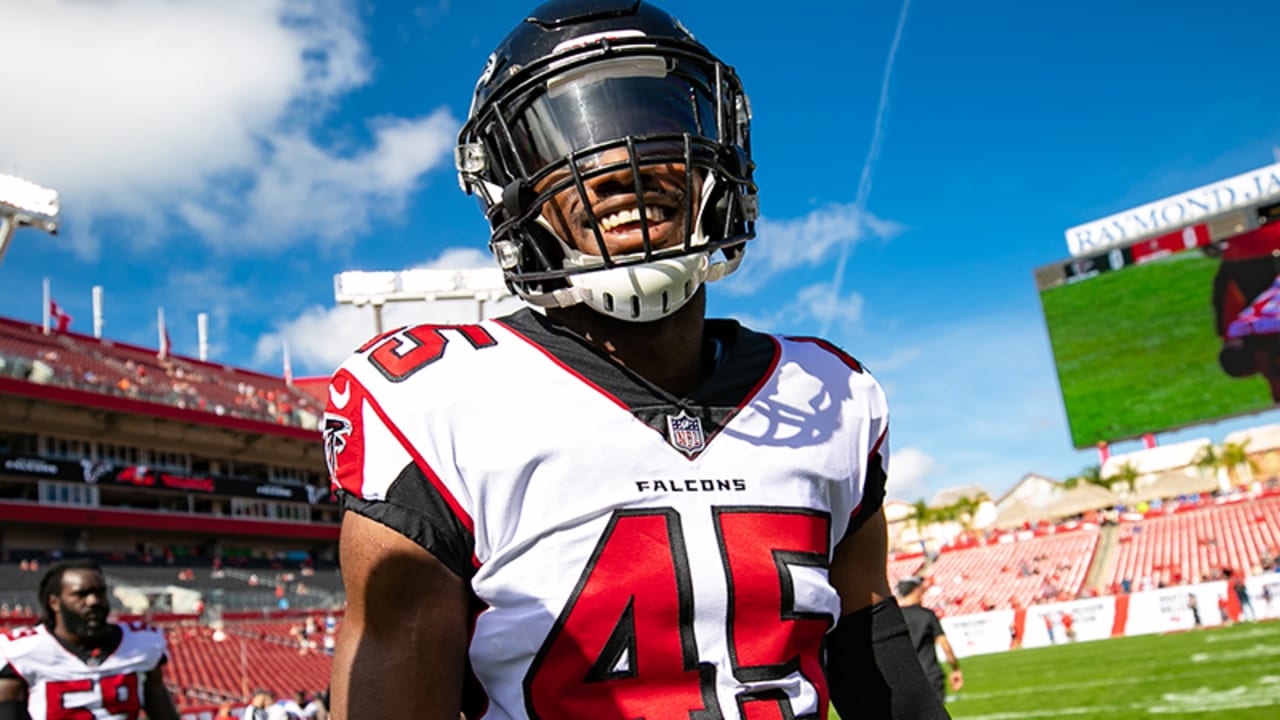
point(614, 204)
point(81, 607)
point(612, 161)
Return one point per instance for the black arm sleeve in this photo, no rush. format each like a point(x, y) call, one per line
point(873, 671)
point(13, 710)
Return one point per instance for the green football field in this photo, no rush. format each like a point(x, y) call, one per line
point(1217, 673)
point(1136, 351)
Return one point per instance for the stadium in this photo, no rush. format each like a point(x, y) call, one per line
point(1148, 584)
point(202, 490)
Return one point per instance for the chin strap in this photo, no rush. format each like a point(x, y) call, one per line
point(612, 291)
point(562, 298)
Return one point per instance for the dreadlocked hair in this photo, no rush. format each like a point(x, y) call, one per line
point(51, 583)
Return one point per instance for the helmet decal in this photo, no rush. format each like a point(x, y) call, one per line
point(584, 40)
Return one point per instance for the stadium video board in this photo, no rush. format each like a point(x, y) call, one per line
point(1173, 319)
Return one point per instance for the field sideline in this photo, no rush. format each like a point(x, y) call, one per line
point(1231, 672)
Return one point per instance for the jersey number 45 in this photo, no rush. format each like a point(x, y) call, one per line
point(624, 645)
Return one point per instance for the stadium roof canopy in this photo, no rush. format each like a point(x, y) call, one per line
point(1017, 513)
point(1263, 437)
point(1081, 499)
point(1156, 459)
point(950, 496)
point(1172, 483)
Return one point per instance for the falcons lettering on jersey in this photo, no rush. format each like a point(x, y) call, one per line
point(635, 554)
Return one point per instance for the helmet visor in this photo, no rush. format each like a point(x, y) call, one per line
point(609, 100)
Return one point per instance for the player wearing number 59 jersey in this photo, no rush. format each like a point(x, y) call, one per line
point(618, 509)
point(75, 665)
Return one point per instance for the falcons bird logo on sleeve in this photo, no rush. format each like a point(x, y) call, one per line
point(336, 431)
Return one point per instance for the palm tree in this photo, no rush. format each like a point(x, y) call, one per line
point(921, 515)
point(1211, 462)
point(1208, 459)
point(1090, 474)
point(1122, 479)
point(1225, 461)
point(1234, 455)
point(965, 509)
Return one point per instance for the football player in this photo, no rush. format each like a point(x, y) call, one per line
point(1245, 291)
point(616, 508)
point(75, 664)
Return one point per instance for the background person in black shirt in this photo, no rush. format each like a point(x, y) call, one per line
point(927, 636)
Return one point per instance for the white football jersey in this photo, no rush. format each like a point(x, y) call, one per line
point(63, 686)
point(633, 553)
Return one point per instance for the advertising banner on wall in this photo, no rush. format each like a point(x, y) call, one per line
point(106, 474)
point(1141, 613)
point(980, 634)
point(1175, 608)
point(1076, 620)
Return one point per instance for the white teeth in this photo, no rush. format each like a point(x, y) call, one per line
point(631, 215)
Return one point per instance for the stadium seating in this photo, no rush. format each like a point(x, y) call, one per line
point(86, 363)
point(904, 566)
point(1016, 573)
point(206, 670)
point(244, 586)
point(1195, 543)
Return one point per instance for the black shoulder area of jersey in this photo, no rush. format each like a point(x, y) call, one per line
point(873, 493)
point(95, 652)
point(745, 358)
point(737, 362)
point(415, 508)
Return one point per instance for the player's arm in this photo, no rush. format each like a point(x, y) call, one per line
point(956, 678)
point(401, 650)
point(155, 697)
point(13, 698)
point(872, 668)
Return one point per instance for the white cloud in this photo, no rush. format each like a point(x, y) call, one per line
point(811, 303)
point(910, 470)
point(148, 111)
point(302, 190)
point(782, 245)
point(322, 337)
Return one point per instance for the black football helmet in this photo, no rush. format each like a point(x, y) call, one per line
point(579, 80)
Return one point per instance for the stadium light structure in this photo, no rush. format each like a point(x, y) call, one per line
point(25, 203)
point(376, 289)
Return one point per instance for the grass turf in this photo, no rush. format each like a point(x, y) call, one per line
point(1136, 351)
point(1231, 672)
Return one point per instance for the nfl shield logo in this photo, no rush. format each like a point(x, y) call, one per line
point(685, 433)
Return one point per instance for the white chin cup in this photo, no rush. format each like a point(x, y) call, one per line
point(643, 293)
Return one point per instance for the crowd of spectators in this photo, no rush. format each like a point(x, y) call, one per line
point(93, 365)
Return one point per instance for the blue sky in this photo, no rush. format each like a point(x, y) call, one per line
point(231, 156)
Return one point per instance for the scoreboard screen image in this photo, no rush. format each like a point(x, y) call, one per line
point(1168, 332)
